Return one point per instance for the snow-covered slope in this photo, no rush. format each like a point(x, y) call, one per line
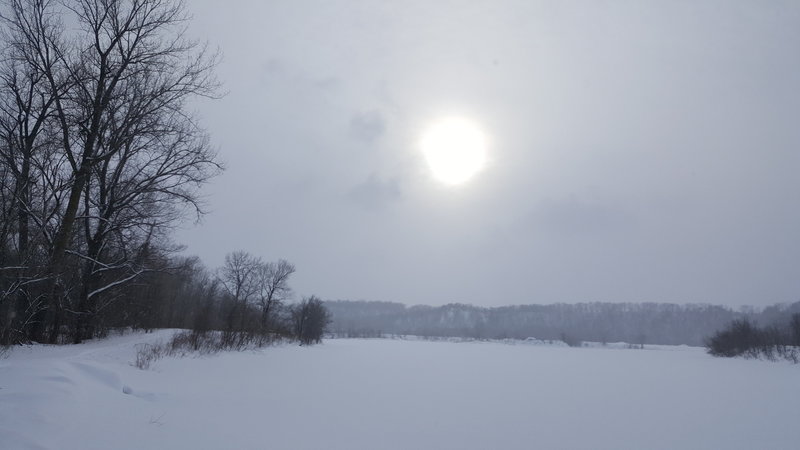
point(384, 394)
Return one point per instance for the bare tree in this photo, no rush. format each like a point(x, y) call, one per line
point(238, 275)
point(273, 287)
point(156, 161)
point(239, 278)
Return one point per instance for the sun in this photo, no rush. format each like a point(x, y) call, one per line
point(455, 150)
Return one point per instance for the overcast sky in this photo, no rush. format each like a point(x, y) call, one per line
point(638, 151)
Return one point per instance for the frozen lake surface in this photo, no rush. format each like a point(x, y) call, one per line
point(395, 394)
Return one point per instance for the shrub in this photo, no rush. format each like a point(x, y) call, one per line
point(184, 343)
point(310, 319)
point(742, 338)
point(147, 354)
point(571, 340)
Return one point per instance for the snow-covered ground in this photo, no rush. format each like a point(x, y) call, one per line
point(396, 394)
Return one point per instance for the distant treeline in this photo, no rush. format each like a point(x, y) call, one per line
point(780, 340)
point(636, 323)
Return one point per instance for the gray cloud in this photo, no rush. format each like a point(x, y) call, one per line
point(278, 70)
point(374, 193)
point(573, 217)
point(367, 126)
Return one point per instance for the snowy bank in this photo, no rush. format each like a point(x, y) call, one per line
point(394, 394)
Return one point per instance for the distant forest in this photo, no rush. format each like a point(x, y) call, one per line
point(635, 323)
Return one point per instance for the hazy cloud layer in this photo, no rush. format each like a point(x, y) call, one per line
point(638, 150)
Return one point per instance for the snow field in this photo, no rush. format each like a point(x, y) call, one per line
point(395, 394)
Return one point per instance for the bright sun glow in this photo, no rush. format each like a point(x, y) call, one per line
point(455, 150)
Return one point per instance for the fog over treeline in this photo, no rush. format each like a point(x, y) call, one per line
point(637, 323)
